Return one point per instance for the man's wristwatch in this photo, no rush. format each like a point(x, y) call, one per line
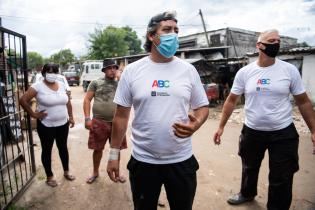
point(87, 119)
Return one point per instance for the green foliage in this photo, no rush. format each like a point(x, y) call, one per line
point(113, 42)
point(15, 207)
point(34, 60)
point(47, 60)
point(304, 44)
point(133, 42)
point(63, 57)
point(82, 58)
point(40, 173)
point(107, 43)
point(13, 58)
point(12, 52)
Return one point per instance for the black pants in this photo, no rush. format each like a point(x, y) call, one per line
point(47, 135)
point(282, 146)
point(179, 180)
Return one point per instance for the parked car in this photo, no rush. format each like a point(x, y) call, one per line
point(91, 70)
point(72, 77)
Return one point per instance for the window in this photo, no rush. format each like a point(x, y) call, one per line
point(215, 40)
point(190, 43)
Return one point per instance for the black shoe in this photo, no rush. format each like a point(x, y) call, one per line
point(238, 198)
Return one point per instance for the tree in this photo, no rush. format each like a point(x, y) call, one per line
point(113, 42)
point(134, 43)
point(304, 44)
point(34, 60)
point(48, 60)
point(63, 57)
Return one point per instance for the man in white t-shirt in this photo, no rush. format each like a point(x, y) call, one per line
point(162, 89)
point(267, 85)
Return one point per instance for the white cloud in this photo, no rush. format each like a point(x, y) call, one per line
point(77, 44)
point(52, 25)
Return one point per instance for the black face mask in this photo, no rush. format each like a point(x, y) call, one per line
point(271, 49)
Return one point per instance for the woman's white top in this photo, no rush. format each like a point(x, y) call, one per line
point(54, 103)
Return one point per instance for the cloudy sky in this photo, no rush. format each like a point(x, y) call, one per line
point(52, 25)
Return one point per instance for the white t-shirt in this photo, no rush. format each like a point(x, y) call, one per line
point(60, 78)
point(267, 91)
point(162, 94)
point(53, 102)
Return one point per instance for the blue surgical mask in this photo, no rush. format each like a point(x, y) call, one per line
point(168, 44)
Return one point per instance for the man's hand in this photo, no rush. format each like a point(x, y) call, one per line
point(217, 136)
point(313, 140)
point(113, 170)
point(88, 124)
point(182, 130)
point(71, 122)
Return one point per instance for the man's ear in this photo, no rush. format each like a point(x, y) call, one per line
point(150, 36)
point(258, 45)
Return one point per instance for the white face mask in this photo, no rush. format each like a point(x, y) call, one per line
point(51, 77)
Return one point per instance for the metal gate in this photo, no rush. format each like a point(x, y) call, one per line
point(17, 163)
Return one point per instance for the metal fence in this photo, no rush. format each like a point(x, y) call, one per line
point(17, 163)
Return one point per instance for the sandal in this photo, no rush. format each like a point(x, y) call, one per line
point(69, 177)
point(91, 179)
point(51, 183)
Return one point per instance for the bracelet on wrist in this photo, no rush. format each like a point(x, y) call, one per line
point(113, 154)
point(87, 119)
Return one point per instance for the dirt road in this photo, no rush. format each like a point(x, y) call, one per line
point(219, 174)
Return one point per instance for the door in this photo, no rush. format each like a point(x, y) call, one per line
point(17, 163)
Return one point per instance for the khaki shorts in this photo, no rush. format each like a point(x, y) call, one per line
point(99, 133)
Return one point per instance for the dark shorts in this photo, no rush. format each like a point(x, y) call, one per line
point(99, 133)
point(179, 180)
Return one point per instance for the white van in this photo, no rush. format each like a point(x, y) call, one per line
point(91, 70)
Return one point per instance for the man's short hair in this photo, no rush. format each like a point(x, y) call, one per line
point(262, 34)
point(154, 24)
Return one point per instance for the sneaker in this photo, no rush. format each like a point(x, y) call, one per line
point(238, 198)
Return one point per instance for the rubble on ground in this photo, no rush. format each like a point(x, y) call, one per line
point(238, 117)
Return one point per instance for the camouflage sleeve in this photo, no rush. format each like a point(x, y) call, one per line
point(92, 86)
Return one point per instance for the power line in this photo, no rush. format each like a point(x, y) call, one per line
point(190, 18)
point(37, 20)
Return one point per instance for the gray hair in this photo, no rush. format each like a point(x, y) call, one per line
point(264, 33)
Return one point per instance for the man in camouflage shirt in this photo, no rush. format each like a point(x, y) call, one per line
point(100, 126)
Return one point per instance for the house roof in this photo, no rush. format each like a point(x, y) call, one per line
point(240, 30)
point(202, 49)
point(193, 60)
point(177, 52)
point(294, 50)
point(222, 29)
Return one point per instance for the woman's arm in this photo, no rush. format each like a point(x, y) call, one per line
point(25, 103)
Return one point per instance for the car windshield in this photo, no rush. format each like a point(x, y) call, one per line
point(70, 74)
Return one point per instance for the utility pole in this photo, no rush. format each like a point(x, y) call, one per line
point(0, 22)
point(204, 27)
